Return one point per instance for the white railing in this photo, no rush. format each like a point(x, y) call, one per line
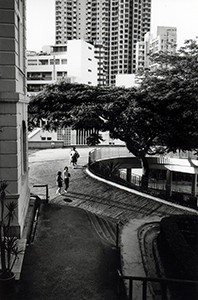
point(108, 152)
point(112, 152)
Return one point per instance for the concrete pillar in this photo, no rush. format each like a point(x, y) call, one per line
point(194, 184)
point(168, 184)
point(128, 175)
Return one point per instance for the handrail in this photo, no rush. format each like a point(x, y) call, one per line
point(46, 190)
point(163, 284)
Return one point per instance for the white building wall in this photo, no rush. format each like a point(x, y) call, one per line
point(126, 80)
point(81, 62)
point(74, 50)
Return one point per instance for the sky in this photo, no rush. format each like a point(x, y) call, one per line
point(176, 13)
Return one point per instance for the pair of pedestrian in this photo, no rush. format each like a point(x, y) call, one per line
point(60, 180)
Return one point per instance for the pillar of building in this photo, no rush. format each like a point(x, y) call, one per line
point(128, 175)
point(194, 185)
point(168, 184)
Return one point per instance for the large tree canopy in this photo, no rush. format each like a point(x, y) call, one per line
point(173, 86)
point(159, 116)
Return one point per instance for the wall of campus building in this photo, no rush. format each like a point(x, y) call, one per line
point(13, 107)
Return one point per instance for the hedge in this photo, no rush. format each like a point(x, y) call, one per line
point(172, 232)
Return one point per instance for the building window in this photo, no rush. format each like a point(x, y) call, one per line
point(64, 61)
point(65, 135)
point(43, 61)
point(56, 61)
point(32, 62)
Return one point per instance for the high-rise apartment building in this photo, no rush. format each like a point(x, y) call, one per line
point(113, 26)
point(166, 41)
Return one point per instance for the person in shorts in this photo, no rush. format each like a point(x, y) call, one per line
point(59, 181)
point(74, 155)
point(66, 176)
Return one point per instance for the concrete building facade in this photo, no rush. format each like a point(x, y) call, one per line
point(73, 62)
point(114, 27)
point(13, 107)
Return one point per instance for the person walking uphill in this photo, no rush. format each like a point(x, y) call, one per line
point(74, 155)
point(59, 181)
point(66, 176)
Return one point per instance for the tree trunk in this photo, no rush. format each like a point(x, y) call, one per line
point(145, 173)
point(143, 160)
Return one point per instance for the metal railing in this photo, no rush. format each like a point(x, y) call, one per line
point(181, 191)
point(122, 151)
point(158, 184)
point(163, 283)
point(46, 190)
point(108, 152)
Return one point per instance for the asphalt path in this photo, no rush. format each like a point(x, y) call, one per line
point(45, 164)
point(68, 259)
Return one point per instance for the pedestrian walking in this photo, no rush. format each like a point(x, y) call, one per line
point(59, 181)
point(74, 155)
point(66, 176)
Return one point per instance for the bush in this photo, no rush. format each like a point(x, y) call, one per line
point(176, 235)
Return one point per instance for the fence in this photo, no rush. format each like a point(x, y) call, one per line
point(176, 186)
point(163, 285)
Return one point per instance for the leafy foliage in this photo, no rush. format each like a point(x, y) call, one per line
point(172, 93)
point(8, 244)
point(94, 139)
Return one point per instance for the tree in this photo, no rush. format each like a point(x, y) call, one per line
point(158, 117)
point(94, 139)
point(173, 86)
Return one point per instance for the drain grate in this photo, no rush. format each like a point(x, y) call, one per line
point(67, 200)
